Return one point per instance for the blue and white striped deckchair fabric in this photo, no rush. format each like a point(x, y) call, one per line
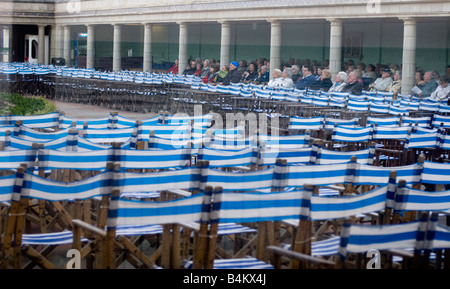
point(12, 159)
point(285, 141)
point(381, 132)
point(378, 107)
point(429, 105)
point(99, 123)
point(345, 134)
point(234, 133)
point(167, 131)
point(386, 122)
point(202, 120)
point(374, 175)
point(224, 158)
point(229, 143)
point(39, 121)
point(358, 105)
point(441, 120)
point(175, 144)
point(415, 140)
point(308, 98)
point(89, 160)
point(293, 96)
point(435, 173)
point(326, 208)
point(269, 156)
point(356, 238)
point(7, 184)
point(108, 135)
point(444, 108)
point(444, 142)
point(222, 88)
point(314, 123)
point(317, 175)
point(183, 178)
point(29, 134)
point(320, 100)
point(139, 230)
point(153, 159)
point(263, 93)
point(331, 122)
point(419, 121)
point(398, 110)
point(239, 263)
point(82, 145)
point(333, 157)
point(257, 181)
point(136, 212)
point(278, 95)
point(337, 102)
point(260, 207)
point(57, 238)
point(409, 199)
point(4, 129)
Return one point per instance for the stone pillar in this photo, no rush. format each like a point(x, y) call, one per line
point(409, 55)
point(67, 48)
point(41, 44)
point(275, 45)
point(148, 63)
point(117, 54)
point(90, 51)
point(59, 41)
point(335, 46)
point(183, 48)
point(6, 45)
point(225, 43)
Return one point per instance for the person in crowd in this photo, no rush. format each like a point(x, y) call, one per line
point(234, 75)
point(263, 75)
point(326, 64)
point(324, 83)
point(442, 92)
point(429, 85)
point(174, 68)
point(370, 71)
point(382, 83)
point(205, 69)
point(340, 82)
point(447, 70)
point(251, 74)
point(242, 66)
point(221, 74)
point(277, 79)
point(190, 70)
point(419, 82)
point(353, 86)
point(199, 67)
point(212, 74)
point(287, 78)
point(308, 80)
point(296, 73)
point(396, 85)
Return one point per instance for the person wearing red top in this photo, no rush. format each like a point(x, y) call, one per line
point(174, 68)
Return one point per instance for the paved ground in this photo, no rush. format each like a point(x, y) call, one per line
point(84, 111)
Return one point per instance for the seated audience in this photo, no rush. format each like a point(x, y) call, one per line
point(308, 80)
point(233, 75)
point(370, 71)
point(221, 74)
point(442, 92)
point(212, 74)
point(277, 79)
point(263, 75)
point(296, 73)
point(251, 74)
point(382, 83)
point(324, 82)
point(429, 85)
point(287, 78)
point(396, 85)
point(191, 69)
point(340, 82)
point(353, 86)
point(205, 69)
point(174, 68)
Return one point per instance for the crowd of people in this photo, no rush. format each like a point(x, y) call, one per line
point(310, 74)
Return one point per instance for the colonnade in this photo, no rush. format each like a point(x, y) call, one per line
point(62, 45)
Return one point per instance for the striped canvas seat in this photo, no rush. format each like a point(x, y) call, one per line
point(58, 238)
point(240, 263)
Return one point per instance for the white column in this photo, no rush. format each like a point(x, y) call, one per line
point(90, 50)
point(225, 41)
point(275, 45)
point(59, 41)
point(117, 55)
point(67, 48)
point(41, 44)
point(183, 48)
point(148, 63)
point(335, 46)
point(409, 55)
point(6, 45)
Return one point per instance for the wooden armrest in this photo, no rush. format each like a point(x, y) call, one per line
point(89, 227)
point(401, 253)
point(300, 256)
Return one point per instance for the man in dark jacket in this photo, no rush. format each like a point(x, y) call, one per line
point(353, 86)
point(308, 80)
point(234, 75)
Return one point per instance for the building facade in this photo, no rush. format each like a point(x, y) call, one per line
point(144, 34)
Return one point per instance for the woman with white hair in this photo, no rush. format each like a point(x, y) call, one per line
point(277, 79)
point(340, 82)
point(287, 78)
